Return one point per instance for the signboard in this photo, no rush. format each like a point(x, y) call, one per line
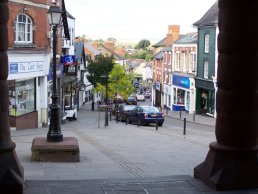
point(181, 81)
point(68, 60)
point(157, 86)
point(26, 67)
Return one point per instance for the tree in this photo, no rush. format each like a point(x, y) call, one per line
point(98, 69)
point(120, 82)
point(143, 44)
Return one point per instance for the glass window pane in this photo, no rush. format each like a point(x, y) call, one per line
point(25, 97)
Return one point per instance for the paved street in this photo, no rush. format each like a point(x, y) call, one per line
point(117, 158)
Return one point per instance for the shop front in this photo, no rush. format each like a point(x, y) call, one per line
point(70, 87)
point(183, 92)
point(167, 96)
point(205, 97)
point(27, 81)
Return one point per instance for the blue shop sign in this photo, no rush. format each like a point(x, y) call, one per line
point(68, 59)
point(181, 81)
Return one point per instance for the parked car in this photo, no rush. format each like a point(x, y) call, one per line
point(131, 101)
point(147, 95)
point(123, 111)
point(140, 97)
point(144, 115)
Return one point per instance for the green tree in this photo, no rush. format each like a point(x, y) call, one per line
point(143, 44)
point(120, 82)
point(99, 69)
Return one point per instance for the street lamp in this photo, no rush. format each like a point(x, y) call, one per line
point(54, 132)
point(106, 98)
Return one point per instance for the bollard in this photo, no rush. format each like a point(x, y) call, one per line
point(110, 113)
point(106, 117)
point(157, 124)
point(180, 114)
point(126, 120)
point(184, 126)
point(92, 106)
point(99, 119)
point(194, 116)
point(116, 116)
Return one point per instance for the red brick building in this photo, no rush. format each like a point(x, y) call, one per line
point(29, 55)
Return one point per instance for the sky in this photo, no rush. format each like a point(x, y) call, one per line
point(134, 20)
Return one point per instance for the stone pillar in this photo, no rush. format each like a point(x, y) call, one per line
point(11, 172)
point(232, 161)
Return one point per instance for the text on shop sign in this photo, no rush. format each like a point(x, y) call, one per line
point(26, 67)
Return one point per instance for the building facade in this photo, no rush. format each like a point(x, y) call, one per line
point(29, 59)
point(206, 78)
point(184, 71)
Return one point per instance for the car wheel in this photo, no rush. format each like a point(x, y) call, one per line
point(160, 124)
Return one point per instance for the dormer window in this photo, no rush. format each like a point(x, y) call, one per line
point(23, 29)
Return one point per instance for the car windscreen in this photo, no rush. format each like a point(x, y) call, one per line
point(129, 107)
point(150, 109)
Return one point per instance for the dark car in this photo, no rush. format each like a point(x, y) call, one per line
point(131, 101)
point(144, 115)
point(147, 95)
point(123, 111)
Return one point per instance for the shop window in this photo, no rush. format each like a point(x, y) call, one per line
point(23, 29)
point(180, 96)
point(22, 97)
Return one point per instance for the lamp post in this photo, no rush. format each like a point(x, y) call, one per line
point(106, 99)
point(54, 132)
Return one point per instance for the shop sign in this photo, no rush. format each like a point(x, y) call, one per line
point(167, 89)
point(59, 72)
point(157, 86)
point(68, 59)
point(181, 81)
point(26, 67)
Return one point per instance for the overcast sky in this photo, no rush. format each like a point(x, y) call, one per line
point(134, 19)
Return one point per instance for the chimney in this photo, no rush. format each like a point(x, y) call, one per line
point(173, 34)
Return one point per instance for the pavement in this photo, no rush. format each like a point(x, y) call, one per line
point(120, 158)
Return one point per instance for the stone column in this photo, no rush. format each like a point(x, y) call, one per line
point(232, 161)
point(11, 172)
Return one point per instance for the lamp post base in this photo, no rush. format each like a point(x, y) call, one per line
point(54, 137)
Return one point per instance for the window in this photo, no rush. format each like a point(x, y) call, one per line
point(206, 43)
point(205, 69)
point(192, 62)
point(22, 97)
point(23, 29)
point(177, 60)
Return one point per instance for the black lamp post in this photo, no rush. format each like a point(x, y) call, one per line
point(106, 99)
point(54, 132)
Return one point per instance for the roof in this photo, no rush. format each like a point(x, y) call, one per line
point(210, 18)
point(161, 43)
point(78, 50)
point(69, 15)
point(188, 38)
point(158, 55)
point(91, 48)
point(116, 56)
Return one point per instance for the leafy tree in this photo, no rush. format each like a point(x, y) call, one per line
point(120, 82)
point(143, 44)
point(99, 68)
